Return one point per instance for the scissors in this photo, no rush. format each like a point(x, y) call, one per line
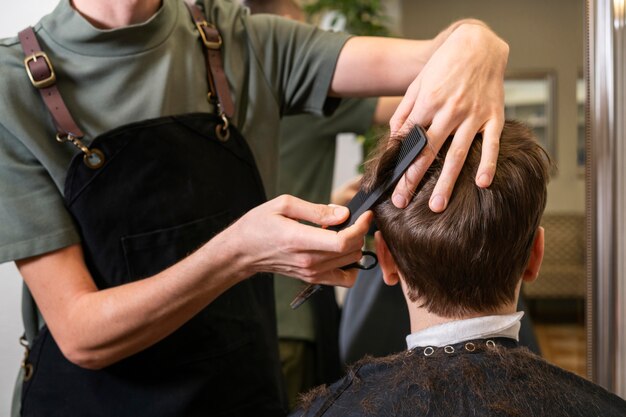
point(368, 261)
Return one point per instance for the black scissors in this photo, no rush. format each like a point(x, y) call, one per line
point(368, 261)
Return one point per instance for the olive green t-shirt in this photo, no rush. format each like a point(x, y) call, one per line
point(109, 78)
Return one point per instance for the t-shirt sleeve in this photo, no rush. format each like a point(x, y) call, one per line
point(298, 61)
point(32, 213)
point(354, 115)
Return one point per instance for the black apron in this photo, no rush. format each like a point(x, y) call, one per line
point(166, 186)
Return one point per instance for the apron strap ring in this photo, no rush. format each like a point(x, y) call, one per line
point(93, 158)
point(26, 365)
point(221, 130)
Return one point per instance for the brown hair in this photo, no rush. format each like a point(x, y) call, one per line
point(469, 258)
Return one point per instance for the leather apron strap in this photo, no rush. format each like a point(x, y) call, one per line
point(41, 73)
point(42, 76)
point(212, 42)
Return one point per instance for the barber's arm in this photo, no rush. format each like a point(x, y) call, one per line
point(95, 328)
point(452, 84)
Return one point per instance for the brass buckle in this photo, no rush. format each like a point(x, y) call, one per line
point(207, 43)
point(47, 82)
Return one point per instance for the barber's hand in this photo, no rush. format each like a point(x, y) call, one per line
point(275, 240)
point(459, 91)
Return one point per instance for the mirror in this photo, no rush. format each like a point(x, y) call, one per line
point(530, 98)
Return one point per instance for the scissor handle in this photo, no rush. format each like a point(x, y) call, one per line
point(368, 261)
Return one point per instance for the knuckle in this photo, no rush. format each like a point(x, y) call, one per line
point(395, 124)
point(504, 47)
point(431, 98)
point(458, 103)
point(321, 212)
point(283, 201)
point(413, 174)
point(458, 154)
point(479, 108)
point(307, 263)
point(341, 245)
point(290, 242)
point(494, 147)
point(308, 274)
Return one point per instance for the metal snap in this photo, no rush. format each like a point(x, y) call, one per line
point(222, 132)
point(28, 371)
point(429, 351)
point(470, 347)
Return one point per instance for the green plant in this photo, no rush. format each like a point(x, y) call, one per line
point(363, 17)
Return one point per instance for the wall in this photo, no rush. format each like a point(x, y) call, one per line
point(542, 35)
point(15, 16)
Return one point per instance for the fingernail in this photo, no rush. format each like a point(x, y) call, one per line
point(398, 201)
point(340, 211)
point(483, 180)
point(437, 203)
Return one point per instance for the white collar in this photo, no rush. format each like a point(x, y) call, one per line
point(506, 325)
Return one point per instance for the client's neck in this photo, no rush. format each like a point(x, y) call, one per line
point(422, 318)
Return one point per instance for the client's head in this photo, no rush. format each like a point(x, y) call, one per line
point(471, 258)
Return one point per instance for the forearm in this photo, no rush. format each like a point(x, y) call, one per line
point(373, 67)
point(368, 66)
point(95, 328)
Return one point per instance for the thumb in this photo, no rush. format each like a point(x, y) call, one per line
point(320, 214)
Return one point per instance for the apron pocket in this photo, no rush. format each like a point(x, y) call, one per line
point(149, 253)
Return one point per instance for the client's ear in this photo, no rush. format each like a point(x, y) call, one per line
point(391, 276)
point(536, 257)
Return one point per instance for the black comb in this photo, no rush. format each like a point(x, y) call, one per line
point(411, 146)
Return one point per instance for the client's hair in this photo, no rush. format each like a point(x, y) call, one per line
point(470, 257)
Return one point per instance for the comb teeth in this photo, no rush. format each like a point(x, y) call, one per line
point(408, 143)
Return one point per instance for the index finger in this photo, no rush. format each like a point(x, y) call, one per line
point(346, 240)
point(403, 193)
